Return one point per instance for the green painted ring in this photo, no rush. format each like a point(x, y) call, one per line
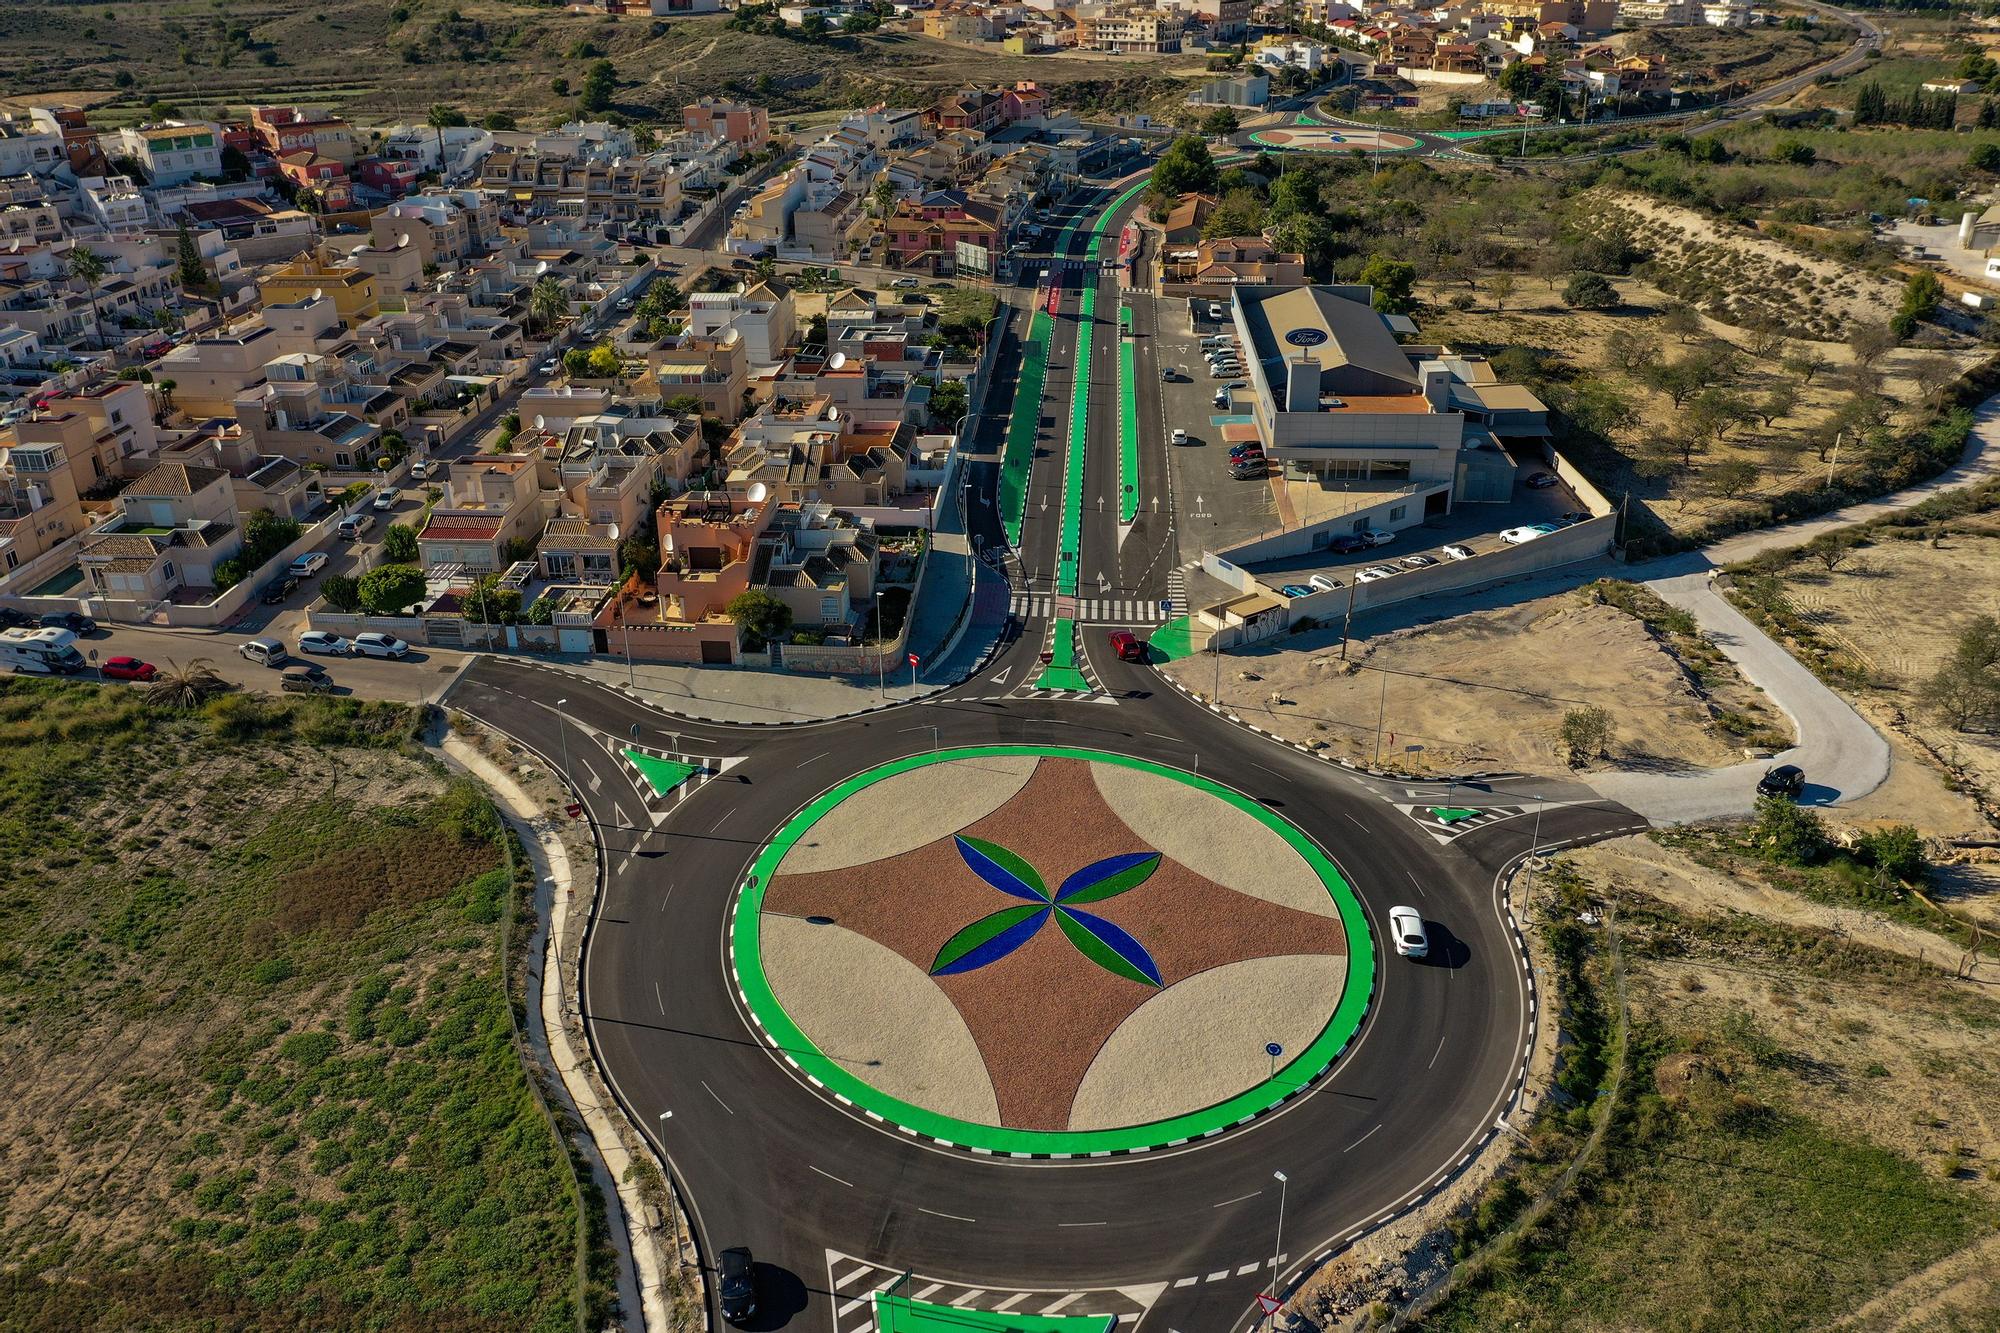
point(746, 963)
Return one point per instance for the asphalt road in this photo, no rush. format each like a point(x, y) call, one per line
point(769, 1162)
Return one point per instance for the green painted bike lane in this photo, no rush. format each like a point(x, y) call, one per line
point(1024, 423)
point(900, 1314)
point(1128, 421)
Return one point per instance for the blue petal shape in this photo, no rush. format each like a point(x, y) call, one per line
point(998, 875)
point(1115, 939)
point(999, 946)
point(1140, 865)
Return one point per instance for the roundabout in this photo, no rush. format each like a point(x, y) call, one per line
point(1321, 139)
point(1047, 951)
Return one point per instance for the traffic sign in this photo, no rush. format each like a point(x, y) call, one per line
point(1268, 1304)
point(574, 809)
point(913, 659)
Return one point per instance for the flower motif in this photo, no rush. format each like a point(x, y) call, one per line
point(994, 936)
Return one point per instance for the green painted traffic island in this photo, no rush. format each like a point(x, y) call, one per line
point(1049, 951)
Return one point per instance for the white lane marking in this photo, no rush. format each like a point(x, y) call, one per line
point(658, 998)
point(840, 1282)
point(1363, 1139)
point(1413, 880)
point(953, 1216)
point(1216, 1277)
point(1272, 771)
point(1435, 1054)
point(852, 1306)
point(725, 816)
point(1083, 1224)
point(718, 1100)
point(1001, 677)
point(1065, 1300)
point(1357, 823)
point(1238, 1199)
point(929, 1291)
point(850, 1184)
point(1010, 1302)
point(815, 759)
point(970, 1296)
point(1250, 1267)
point(1186, 1281)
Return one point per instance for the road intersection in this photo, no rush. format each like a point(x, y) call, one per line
point(836, 1198)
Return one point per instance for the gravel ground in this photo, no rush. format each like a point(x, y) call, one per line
point(901, 813)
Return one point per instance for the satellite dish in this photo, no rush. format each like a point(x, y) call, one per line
point(838, 360)
point(833, 414)
point(758, 490)
point(540, 421)
point(319, 293)
point(541, 268)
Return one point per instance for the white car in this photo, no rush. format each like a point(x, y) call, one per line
point(1323, 582)
point(383, 502)
point(373, 644)
point(1374, 572)
point(1406, 925)
point(422, 469)
point(1455, 551)
point(321, 641)
point(1515, 536)
point(1419, 561)
point(1178, 437)
point(1378, 537)
point(307, 565)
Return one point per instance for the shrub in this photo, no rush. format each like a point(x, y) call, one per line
point(1788, 834)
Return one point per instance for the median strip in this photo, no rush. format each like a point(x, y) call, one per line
point(1023, 425)
point(1128, 421)
point(1061, 673)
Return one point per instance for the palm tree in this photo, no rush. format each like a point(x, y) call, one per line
point(547, 303)
point(183, 688)
point(442, 118)
point(87, 267)
point(165, 389)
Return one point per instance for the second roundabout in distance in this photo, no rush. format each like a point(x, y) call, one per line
point(1049, 951)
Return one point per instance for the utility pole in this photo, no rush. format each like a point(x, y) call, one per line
point(1347, 625)
point(1381, 710)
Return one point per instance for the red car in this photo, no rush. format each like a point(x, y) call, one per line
point(129, 668)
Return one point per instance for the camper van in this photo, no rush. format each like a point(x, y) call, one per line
point(40, 652)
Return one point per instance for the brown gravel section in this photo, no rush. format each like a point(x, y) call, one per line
point(1041, 1014)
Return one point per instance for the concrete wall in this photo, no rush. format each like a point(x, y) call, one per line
point(1300, 540)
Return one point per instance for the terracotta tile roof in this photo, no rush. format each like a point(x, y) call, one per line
point(457, 527)
point(176, 479)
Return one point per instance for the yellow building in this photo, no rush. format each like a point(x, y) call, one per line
point(353, 291)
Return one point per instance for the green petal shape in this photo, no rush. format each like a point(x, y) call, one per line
point(1007, 861)
point(1097, 951)
point(1127, 871)
point(1006, 930)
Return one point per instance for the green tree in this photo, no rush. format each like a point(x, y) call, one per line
point(399, 544)
point(1682, 322)
point(87, 267)
point(1793, 152)
point(492, 603)
point(342, 592)
point(1778, 403)
point(604, 362)
point(576, 362)
point(499, 120)
point(1394, 282)
point(440, 119)
point(1185, 168)
point(1586, 733)
point(187, 259)
point(760, 617)
point(1219, 123)
point(1896, 851)
point(1986, 157)
point(1590, 291)
point(599, 82)
point(947, 403)
point(1965, 691)
point(388, 590)
point(548, 303)
point(1787, 833)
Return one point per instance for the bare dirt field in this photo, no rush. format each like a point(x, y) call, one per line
point(1490, 690)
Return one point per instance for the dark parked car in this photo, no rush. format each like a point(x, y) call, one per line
point(278, 589)
point(1541, 481)
point(73, 621)
point(1348, 542)
point(12, 619)
point(736, 1284)
point(1784, 780)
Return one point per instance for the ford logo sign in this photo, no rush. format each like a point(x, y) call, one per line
point(1306, 337)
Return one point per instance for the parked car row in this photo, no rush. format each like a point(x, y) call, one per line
point(74, 621)
point(272, 652)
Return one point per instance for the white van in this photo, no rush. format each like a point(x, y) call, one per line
point(268, 652)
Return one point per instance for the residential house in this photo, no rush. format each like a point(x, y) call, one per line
point(819, 563)
point(105, 431)
point(763, 313)
point(444, 229)
point(29, 149)
point(715, 370)
point(171, 153)
point(40, 507)
point(944, 233)
point(283, 130)
point(292, 419)
point(1183, 223)
point(352, 290)
point(960, 21)
point(322, 177)
point(490, 503)
point(739, 123)
point(175, 524)
point(669, 9)
point(1130, 30)
point(1227, 20)
point(1216, 265)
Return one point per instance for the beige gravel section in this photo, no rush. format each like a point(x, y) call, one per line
point(1211, 837)
point(871, 1010)
point(1201, 1041)
point(902, 813)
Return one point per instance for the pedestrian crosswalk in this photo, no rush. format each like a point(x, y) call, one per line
point(1177, 590)
point(1089, 610)
point(856, 1284)
point(1445, 822)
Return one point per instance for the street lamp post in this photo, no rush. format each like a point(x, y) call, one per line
point(562, 732)
point(673, 1209)
point(881, 659)
point(1278, 1251)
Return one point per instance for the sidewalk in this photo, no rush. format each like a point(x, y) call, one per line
point(641, 1270)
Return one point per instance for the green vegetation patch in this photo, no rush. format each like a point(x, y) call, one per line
point(253, 1006)
point(900, 1314)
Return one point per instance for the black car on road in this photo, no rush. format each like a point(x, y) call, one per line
point(736, 1284)
point(1784, 780)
